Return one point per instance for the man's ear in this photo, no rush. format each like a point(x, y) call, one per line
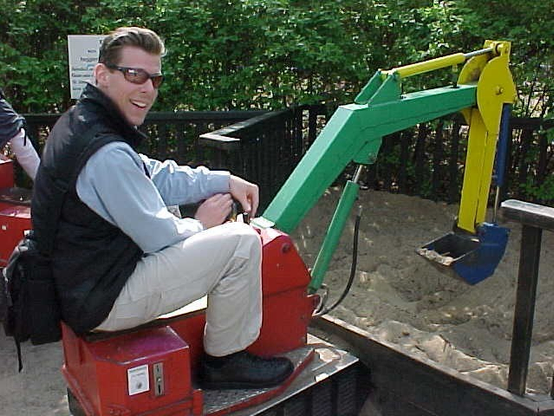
point(101, 75)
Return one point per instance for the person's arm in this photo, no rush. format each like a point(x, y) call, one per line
point(171, 179)
point(12, 131)
point(25, 153)
point(113, 184)
point(180, 185)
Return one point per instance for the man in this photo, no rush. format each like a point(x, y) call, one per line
point(12, 132)
point(119, 257)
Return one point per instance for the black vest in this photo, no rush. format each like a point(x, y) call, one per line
point(91, 258)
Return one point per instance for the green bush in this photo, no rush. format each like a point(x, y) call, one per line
point(269, 54)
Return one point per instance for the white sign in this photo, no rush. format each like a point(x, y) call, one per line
point(83, 55)
point(137, 380)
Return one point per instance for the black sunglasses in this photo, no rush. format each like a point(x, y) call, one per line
point(139, 75)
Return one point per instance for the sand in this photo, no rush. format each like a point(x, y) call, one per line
point(397, 295)
point(402, 298)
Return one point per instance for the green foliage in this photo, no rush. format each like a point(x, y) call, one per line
point(225, 54)
point(268, 54)
point(539, 192)
point(528, 25)
point(272, 53)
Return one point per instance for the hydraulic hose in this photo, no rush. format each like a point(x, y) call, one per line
point(322, 310)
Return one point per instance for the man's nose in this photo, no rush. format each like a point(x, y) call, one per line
point(148, 85)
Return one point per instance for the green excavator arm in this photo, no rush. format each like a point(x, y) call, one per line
point(355, 131)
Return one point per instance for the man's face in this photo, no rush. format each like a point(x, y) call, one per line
point(133, 100)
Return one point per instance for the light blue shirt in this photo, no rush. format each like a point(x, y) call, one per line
point(113, 184)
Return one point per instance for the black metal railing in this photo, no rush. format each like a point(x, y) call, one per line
point(171, 134)
point(533, 219)
point(426, 160)
point(267, 148)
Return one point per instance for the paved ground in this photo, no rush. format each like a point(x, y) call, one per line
point(39, 390)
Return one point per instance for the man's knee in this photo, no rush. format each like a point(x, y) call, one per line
point(249, 241)
point(248, 233)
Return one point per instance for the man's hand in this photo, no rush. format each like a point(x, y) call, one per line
point(246, 193)
point(214, 210)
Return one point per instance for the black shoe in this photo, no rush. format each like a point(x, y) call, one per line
point(243, 370)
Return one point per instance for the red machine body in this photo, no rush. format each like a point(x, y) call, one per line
point(6, 173)
point(151, 370)
point(15, 211)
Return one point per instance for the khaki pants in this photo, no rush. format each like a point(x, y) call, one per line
point(223, 262)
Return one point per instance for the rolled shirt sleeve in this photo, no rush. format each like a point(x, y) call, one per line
point(114, 185)
point(171, 179)
point(10, 122)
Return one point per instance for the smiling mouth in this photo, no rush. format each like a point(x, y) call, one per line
point(138, 104)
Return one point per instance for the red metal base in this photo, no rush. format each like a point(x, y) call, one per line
point(116, 377)
point(151, 370)
point(6, 173)
point(15, 212)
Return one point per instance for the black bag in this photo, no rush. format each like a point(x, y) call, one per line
point(30, 305)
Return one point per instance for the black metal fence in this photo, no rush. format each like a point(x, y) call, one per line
point(426, 160)
point(267, 148)
point(171, 135)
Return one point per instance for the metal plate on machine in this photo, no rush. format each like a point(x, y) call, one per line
point(158, 376)
point(327, 361)
point(16, 196)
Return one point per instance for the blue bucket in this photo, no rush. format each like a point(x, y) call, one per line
point(472, 257)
